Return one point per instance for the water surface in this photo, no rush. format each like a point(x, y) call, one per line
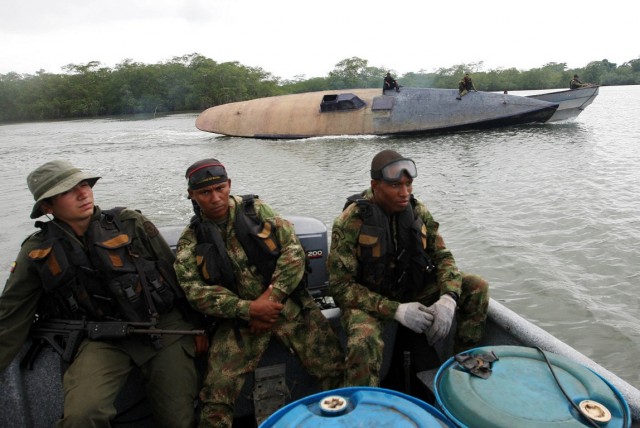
point(549, 214)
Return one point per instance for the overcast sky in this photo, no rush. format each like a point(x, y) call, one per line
point(291, 38)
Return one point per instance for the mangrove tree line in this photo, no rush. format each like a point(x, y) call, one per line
point(194, 83)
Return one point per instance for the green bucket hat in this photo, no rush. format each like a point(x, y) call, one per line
point(53, 178)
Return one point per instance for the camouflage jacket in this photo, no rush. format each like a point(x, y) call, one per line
point(218, 301)
point(343, 265)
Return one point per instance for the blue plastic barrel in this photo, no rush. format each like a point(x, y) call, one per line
point(358, 407)
point(521, 392)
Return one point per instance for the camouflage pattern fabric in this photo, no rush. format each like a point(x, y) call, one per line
point(235, 352)
point(471, 313)
point(364, 347)
point(365, 311)
point(220, 302)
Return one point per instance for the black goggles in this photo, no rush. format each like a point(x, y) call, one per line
point(206, 175)
point(393, 170)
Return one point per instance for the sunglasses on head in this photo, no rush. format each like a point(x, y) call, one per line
point(206, 173)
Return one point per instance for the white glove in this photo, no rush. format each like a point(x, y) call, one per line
point(415, 316)
point(443, 311)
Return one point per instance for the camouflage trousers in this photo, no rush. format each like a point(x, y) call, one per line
point(365, 342)
point(235, 353)
point(471, 313)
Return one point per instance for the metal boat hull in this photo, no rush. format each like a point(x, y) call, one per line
point(410, 111)
point(33, 398)
point(570, 102)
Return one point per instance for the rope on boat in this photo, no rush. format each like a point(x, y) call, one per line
point(574, 405)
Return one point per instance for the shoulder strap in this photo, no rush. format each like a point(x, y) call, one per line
point(208, 233)
point(248, 204)
point(251, 232)
point(113, 212)
point(354, 199)
point(414, 203)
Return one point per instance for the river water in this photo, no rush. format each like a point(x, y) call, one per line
point(549, 214)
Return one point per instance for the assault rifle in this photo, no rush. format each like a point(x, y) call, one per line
point(65, 336)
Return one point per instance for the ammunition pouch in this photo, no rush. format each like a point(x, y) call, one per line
point(214, 266)
point(395, 271)
point(104, 280)
point(70, 290)
point(372, 254)
point(128, 293)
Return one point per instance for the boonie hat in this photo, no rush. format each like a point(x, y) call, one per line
point(53, 178)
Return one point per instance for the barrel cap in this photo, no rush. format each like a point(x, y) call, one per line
point(358, 406)
point(521, 391)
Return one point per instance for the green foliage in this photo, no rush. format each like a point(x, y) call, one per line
point(355, 73)
point(194, 82)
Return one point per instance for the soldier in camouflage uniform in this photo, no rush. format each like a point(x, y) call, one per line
point(464, 86)
point(388, 261)
point(254, 302)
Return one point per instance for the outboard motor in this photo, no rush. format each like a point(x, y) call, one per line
point(312, 234)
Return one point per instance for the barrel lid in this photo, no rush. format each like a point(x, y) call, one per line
point(358, 406)
point(521, 391)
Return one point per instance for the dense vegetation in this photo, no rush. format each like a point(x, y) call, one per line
point(194, 82)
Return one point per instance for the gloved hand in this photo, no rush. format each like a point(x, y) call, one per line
point(443, 311)
point(415, 316)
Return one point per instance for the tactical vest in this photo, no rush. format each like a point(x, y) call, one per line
point(257, 238)
point(393, 269)
point(102, 280)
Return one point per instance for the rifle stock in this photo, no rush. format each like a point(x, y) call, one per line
point(65, 336)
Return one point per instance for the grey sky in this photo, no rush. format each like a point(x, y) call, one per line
point(297, 37)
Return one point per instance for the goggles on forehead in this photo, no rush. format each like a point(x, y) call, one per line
point(393, 171)
point(206, 175)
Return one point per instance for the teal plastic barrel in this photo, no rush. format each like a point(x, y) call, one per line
point(521, 392)
point(358, 407)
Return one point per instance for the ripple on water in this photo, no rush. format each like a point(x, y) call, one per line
point(549, 214)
